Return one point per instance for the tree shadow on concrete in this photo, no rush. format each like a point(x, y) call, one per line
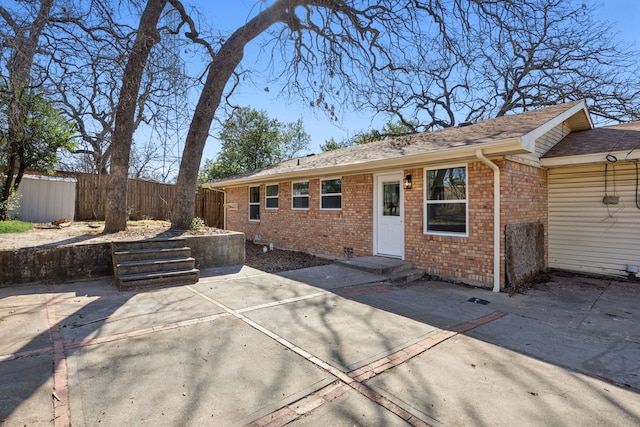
point(420, 303)
point(35, 359)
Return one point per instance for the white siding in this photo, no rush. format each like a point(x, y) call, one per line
point(551, 138)
point(585, 234)
point(46, 199)
point(543, 144)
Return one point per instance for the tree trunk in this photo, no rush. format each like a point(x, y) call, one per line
point(221, 69)
point(7, 189)
point(147, 37)
point(16, 182)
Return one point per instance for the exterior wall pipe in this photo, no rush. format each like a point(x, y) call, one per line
point(496, 218)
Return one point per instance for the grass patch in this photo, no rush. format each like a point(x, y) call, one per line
point(14, 227)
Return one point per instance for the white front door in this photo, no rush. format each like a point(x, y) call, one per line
point(389, 215)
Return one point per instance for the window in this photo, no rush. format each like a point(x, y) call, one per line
point(446, 201)
point(300, 195)
point(391, 198)
point(271, 198)
point(254, 203)
point(331, 194)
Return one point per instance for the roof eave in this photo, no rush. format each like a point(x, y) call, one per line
point(583, 159)
point(571, 116)
point(467, 152)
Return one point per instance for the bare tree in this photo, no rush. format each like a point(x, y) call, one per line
point(146, 161)
point(47, 41)
point(503, 57)
point(89, 56)
point(86, 85)
point(547, 52)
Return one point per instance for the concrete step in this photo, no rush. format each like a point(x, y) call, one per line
point(394, 270)
point(151, 254)
point(376, 264)
point(151, 265)
point(405, 276)
point(158, 279)
point(153, 262)
point(157, 243)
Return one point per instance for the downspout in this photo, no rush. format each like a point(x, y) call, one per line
point(496, 218)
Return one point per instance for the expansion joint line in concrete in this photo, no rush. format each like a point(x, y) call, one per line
point(27, 353)
point(353, 379)
point(115, 337)
point(394, 359)
point(142, 332)
point(283, 301)
point(60, 393)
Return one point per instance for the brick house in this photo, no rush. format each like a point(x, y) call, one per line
point(444, 200)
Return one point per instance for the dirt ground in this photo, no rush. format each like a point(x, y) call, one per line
point(48, 236)
point(276, 260)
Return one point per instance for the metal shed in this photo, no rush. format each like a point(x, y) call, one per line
point(46, 198)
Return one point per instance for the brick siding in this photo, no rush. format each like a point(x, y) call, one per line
point(525, 197)
point(316, 231)
point(467, 258)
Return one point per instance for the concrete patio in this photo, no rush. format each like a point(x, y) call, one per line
point(321, 346)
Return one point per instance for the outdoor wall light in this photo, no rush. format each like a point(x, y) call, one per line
point(406, 182)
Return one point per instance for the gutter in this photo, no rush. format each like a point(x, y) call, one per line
point(496, 218)
point(583, 159)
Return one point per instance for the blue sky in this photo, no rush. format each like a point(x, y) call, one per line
point(624, 14)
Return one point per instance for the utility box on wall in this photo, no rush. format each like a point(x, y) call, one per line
point(46, 199)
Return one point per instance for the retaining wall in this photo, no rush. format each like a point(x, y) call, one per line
point(75, 262)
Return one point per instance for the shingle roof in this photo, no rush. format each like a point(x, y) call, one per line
point(606, 139)
point(495, 130)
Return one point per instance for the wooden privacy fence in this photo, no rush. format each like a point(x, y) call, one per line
point(210, 207)
point(145, 200)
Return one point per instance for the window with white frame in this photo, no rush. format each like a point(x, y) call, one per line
point(446, 201)
point(300, 195)
point(271, 196)
point(331, 194)
point(254, 203)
